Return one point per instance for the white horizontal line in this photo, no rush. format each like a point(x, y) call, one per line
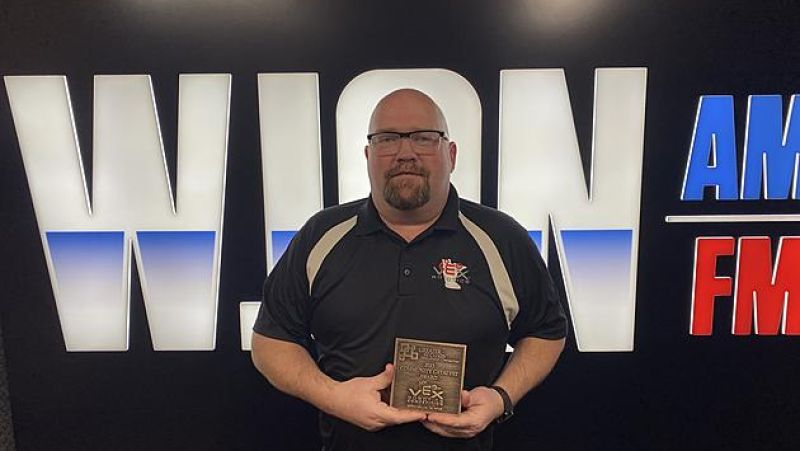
point(733, 218)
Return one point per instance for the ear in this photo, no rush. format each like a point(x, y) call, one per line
point(453, 151)
point(366, 152)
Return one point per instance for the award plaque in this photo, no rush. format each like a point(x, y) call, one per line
point(428, 375)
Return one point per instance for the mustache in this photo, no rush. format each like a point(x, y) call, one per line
point(406, 169)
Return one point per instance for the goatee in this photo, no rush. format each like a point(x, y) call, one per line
point(406, 193)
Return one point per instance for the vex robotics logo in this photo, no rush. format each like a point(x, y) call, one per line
point(89, 245)
point(766, 289)
point(454, 274)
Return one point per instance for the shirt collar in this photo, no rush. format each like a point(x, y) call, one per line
point(369, 221)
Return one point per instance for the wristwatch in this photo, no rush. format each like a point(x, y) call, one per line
point(508, 407)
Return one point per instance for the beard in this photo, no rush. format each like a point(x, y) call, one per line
point(405, 192)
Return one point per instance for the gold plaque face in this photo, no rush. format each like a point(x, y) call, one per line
point(428, 375)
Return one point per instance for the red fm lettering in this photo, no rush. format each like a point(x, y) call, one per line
point(762, 290)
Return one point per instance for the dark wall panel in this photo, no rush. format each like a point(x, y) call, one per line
point(674, 391)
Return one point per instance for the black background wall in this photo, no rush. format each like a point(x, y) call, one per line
point(674, 391)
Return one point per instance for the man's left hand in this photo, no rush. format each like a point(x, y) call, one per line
point(479, 407)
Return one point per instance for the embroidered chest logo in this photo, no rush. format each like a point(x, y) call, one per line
point(454, 274)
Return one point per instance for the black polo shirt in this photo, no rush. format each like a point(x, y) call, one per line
point(349, 286)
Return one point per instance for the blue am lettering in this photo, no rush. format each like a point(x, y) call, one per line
point(712, 157)
point(771, 150)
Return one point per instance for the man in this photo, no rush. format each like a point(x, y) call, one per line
point(358, 275)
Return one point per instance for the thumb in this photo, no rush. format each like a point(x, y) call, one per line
point(384, 379)
point(465, 399)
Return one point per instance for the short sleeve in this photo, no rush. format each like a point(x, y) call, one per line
point(541, 313)
point(284, 312)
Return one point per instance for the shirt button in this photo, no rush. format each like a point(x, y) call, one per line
point(406, 272)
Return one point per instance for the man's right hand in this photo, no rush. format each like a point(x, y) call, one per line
point(290, 368)
point(358, 401)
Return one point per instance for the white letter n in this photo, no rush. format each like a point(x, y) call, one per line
point(541, 177)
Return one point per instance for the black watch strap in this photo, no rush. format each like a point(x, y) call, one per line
point(508, 406)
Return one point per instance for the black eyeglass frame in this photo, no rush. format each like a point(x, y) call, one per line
point(401, 135)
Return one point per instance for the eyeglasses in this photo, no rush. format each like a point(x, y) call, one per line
point(423, 142)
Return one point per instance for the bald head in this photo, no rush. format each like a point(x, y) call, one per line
point(407, 110)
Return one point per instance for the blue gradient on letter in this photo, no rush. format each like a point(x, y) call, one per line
point(595, 249)
point(177, 267)
point(599, 276)
point(69, 249)
point(280, 241)
point(90, 289)
point(536, 236)
point(167, 249)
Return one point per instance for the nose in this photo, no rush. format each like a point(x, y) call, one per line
point(406, 151)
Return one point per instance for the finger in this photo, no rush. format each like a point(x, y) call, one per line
point(449, 420)
point(394, 415)
point(437, 429)
point(383, 379)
